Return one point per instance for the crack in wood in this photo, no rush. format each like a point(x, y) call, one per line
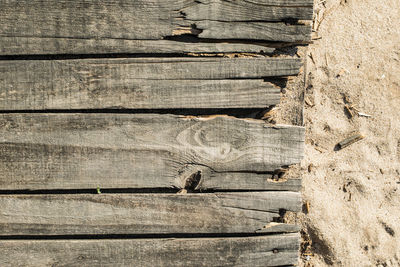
point(191, 30)
point(81, 27)
point(281, 217)
point(193, 181)
point(148, 56)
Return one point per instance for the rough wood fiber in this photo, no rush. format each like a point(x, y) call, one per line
point(139, 94)
point(64, 151)
point(141, 83)
point(248, 181)
point(235, 11)
point(50, 46)
point(254, 30)
point(28, 24)
point(86, 151)
point(263, 251)
point(143, 213)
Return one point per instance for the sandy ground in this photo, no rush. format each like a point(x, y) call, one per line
point(352, 196)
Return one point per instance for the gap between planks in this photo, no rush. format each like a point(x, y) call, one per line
point(273, 184)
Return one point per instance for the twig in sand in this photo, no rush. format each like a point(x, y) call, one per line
point(350, 140)
point(326, 59)
point(312, 58)
point(342, 72)
point(310, 167)
point(306, 207)
point(349, 111)
point(308, 102)
point(363, 115)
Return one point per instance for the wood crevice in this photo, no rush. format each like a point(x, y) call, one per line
point(140, 236)
point(107, 190)
point(136, 133)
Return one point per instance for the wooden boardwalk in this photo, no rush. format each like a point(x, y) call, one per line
point(128, 135)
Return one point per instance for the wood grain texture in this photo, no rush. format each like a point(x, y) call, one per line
point(69, 151)
point(138, 83)
point(246, 251)
point(51, 46)
point(247, 181)
point(235, 11)
point(255, 30)
point(143, 213)
point(101, 27)
point(139, 94)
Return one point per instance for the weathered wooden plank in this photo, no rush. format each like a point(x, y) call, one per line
point(234, 11)
point(181, 68)
point(42, 94)
point(278, 31)
point(274, 250)
point(50, 46)
point(141, 83)
point(117, 23)
point(142, 19)
point(247, 181)
point(143, 213)
point(67, 151)
point(275, 227)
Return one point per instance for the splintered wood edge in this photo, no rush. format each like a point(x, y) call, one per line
point(211, 213)
point(124, 29)
point(143, 83)
point(250, 120)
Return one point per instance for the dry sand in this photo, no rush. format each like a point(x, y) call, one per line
point(352, 195)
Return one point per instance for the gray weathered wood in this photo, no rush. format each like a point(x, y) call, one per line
point(44, 94)
point(116, 23)
point(275, 227)
point(261, 10)
point(64, 151)
point(143, 213)
point(49, 46)
point(278, 31)
point(195, 82)
point(263, 251)
point(247, 181)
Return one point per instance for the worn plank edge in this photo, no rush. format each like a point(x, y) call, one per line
point(52, 46)
point(274, 250)
point(95, 214)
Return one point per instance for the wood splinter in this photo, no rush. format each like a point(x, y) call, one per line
point(350, 140)
point(349, 111)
